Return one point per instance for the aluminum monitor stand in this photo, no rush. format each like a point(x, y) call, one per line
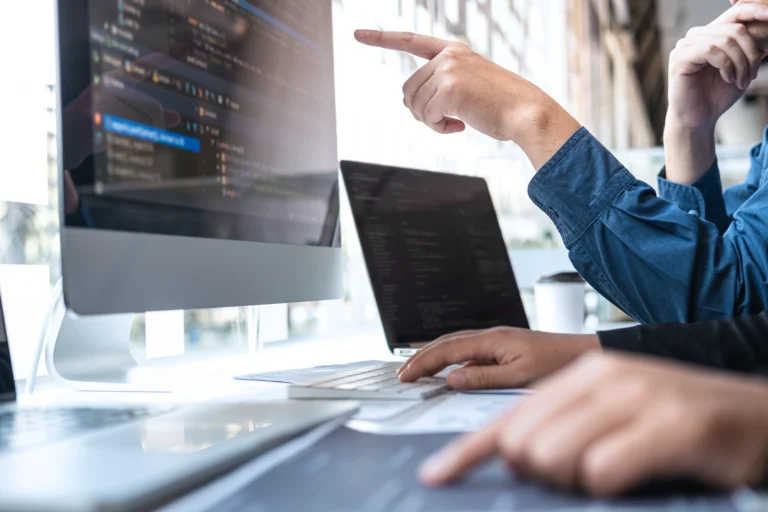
point(93, 353)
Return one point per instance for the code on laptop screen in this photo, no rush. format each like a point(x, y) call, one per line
point(434, 252)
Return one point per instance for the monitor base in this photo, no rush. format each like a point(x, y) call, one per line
point(93, 354)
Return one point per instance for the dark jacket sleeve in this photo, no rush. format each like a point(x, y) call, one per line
point(738, 344)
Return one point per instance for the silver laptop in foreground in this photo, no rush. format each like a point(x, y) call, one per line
point(128, 458)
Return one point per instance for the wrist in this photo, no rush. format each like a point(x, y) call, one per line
point(689, 150)
point(589, 343)
point(677, 127)
point(580, 344)
point(540, 126)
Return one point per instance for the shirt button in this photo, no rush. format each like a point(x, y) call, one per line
point(693, 212)
point(552, 213)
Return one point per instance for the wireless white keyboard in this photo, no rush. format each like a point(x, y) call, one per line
point(376, 382)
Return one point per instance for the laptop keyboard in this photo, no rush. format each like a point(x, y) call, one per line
point(376, 382)
point(23, 429)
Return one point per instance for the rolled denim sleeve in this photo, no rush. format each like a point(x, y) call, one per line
point(703, 198)
point(573, 195)
point(736, 196)
point(655, 261)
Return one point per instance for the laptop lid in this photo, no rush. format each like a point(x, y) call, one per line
point(434, 251)
point(7, 385)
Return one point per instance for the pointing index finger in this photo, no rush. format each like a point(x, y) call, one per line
point(426, 47)
point(460, 456)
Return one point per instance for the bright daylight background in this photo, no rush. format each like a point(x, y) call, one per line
point(604, 60)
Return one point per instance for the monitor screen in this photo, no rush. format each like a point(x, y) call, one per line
point(7, 385)
point(434, 251)
point(200, 118)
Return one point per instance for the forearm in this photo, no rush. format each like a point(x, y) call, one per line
point(739, 344)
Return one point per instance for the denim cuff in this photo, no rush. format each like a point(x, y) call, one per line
point(703, 198)
point(578, 184)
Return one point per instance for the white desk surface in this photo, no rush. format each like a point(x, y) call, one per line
point(208, 379)
point(200, 377)
point(205, 377)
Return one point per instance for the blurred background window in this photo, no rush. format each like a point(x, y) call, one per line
point(603, 60)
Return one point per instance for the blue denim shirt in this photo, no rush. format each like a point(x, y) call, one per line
point(694, 253)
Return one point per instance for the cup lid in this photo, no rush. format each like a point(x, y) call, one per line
point(562, 277)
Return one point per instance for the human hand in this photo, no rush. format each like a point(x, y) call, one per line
point(499, 358)
point(458, 87)
point(608, 424)
point(709, 70)
point(712, 67)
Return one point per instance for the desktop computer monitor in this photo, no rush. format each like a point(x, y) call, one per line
point(198, 154)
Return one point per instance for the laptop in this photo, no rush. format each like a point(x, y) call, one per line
point(434, 251)
point(128, 458)
point(437, 263)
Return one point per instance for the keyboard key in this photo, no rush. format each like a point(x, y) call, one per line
point(378, 374)
point(381, 379)
point(374, 382)
point(424, 392)
point(347, 373)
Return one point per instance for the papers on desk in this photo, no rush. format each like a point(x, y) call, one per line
point(381, 410)
point(452, 413)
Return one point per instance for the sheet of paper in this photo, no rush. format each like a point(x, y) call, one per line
point(381, 410)
point(451, 413)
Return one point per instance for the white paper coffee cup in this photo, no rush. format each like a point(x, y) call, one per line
point(560, 303)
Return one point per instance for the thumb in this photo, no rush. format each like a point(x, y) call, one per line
point(475, 377)
point(448, 126)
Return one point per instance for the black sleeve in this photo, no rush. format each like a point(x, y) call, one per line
point(738, 344)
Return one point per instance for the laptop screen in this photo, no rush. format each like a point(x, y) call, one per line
point(7, 386)
point(434, 251)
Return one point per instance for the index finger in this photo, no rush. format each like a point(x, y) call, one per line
point(440, 355)
point(459, 457)
point(426, 47)
point(468, 451)
point(441, 339)
point(743, 13)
